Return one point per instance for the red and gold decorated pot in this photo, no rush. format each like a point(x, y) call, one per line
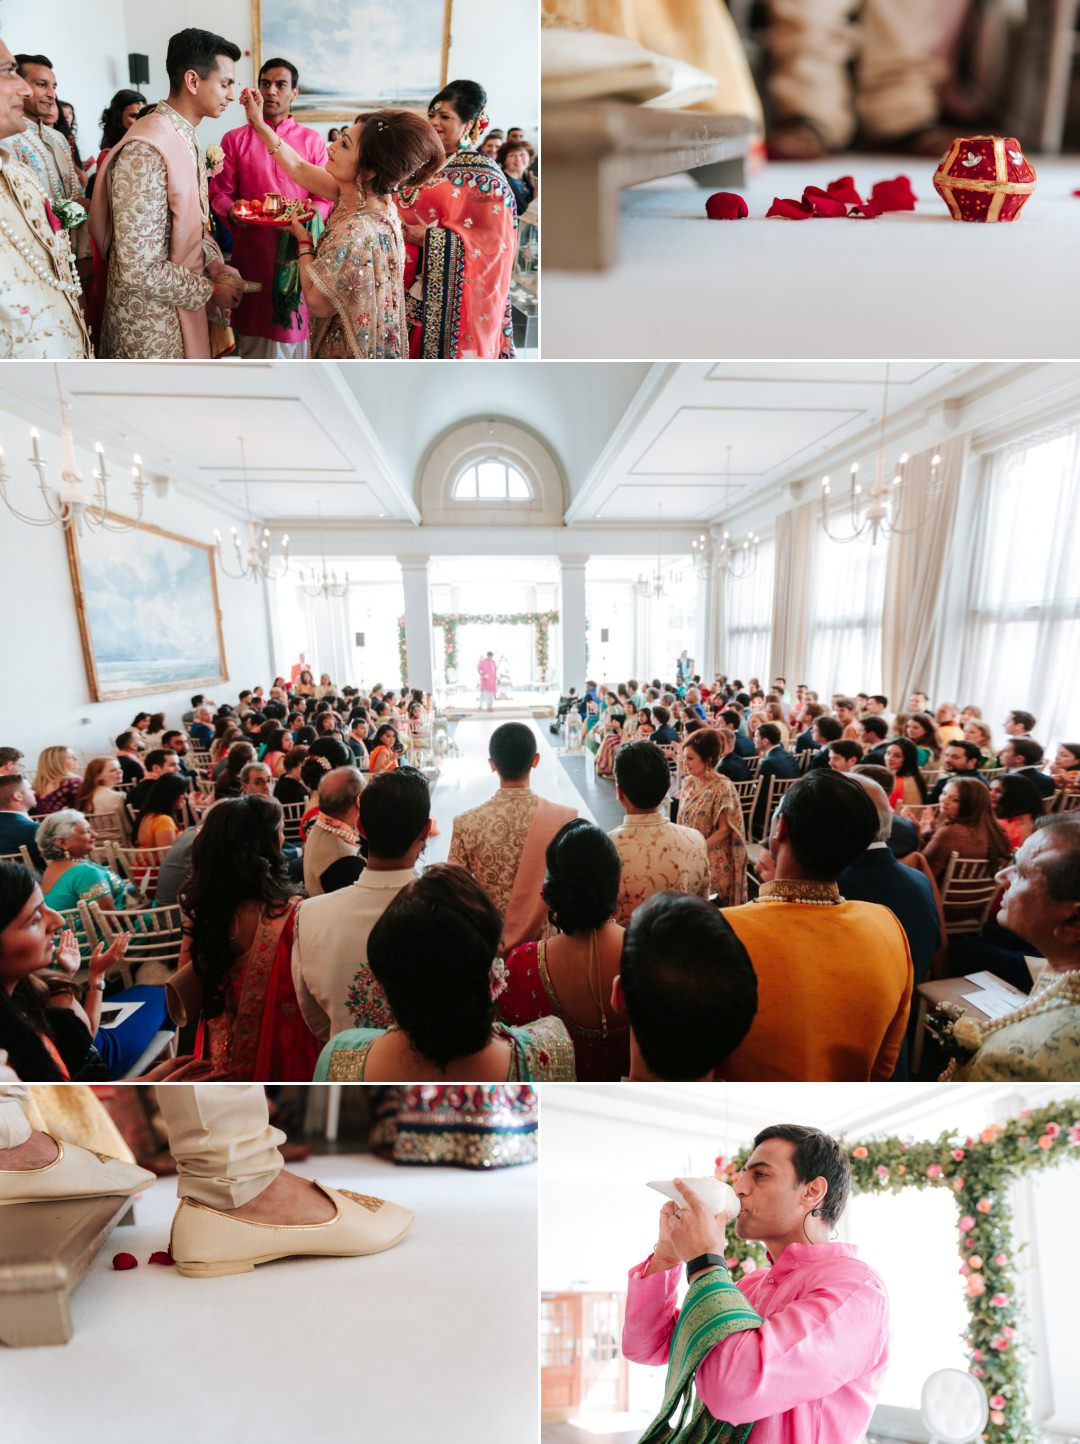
point(984, 178)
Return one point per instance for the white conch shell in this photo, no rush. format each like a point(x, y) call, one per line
point(718, 1196)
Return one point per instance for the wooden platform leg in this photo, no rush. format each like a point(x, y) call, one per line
point(581, 216)
point(35, 1319)
point(722, 174)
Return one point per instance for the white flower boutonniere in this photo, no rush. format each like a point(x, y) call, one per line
point(70, 214)
point(215, 159)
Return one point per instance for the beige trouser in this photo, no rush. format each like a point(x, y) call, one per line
point(811, 43)
point(14, 1128)
point(219, 1133)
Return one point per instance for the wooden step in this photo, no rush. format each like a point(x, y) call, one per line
point(45, 1248)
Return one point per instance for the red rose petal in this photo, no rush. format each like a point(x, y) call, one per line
point(726, 206)
point(162, 1256)
point(844, 190)
point(894, 195)
point(823, 204)
point(125, 1261)
point(788, 210)
point(866, 210)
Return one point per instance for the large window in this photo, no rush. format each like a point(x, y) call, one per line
point(748, 618)
point(847, 595)
point(491, 480)
point(1022, 629)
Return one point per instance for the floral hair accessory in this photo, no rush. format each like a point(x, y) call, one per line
point(324, 762)
point(498, 981)
point(485, 121)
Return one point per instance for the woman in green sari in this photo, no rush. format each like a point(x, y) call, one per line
point(432, 952)
point(65, 840)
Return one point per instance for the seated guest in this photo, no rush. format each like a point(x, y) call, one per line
point(1021, 757)
point(664, 735)
point(877, 705)
point(875, 876)
point(159, 763)
point(255, 780)
point(129, 756)
point(844, 755)
point(173, 741)
point(17, 828)
point(431, 951)
point(514, 160)
point(655, 854)
point(709, 803)
point(909, 785)
point(155, 730)
point(731, 765)
point(744, 744)
point(334, 985)
point(201, 731)
point(1017, 806)
point(960, 759)
point(611, 736)
point(570, 976)
point(65, 840)
point(228, 735)
point(947, 721)
point(272, 747)
point(847, 714)
point(966, 825)
point(161, 820)
point(56, 781)
point(688, 988)
point(873, 735)
point(809, 715)
point(333, 835)
point(289, 787)
point(921, 731)
point(1018, 724)
point(503, 842)
point(175, 866)
point(239, 913)
point(834, 977)
point(227, 772)
point(904, 835)
point(356, 740)
point(386, 748)
point(1040, 1041)
point(776, 762)
point(824, 731)
point(1065, 769)
point(99, 795)
point(12, 762)
point(979, 733)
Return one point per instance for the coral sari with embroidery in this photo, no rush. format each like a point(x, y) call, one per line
point(262, 1036)
point(459, 304)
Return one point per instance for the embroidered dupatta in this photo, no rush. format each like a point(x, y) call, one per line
point(467, 260)
point(262, 1036)
point(712, 1310)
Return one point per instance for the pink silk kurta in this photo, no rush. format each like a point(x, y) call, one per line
point(248, 173)
point(488, 674)
point(811, 1373)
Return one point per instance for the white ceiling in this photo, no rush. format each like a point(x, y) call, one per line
point(636, 443)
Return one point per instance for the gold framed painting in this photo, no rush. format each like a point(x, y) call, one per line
point(356, 55)
point(147, 604)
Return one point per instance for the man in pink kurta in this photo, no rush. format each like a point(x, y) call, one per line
point(248, 173)
point(489, 684)
point(811, 1373)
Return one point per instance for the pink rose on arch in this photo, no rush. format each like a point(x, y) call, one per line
point(1074, 1133)
point(996, 1416)
point(975, 1286)
point(979, 1373)
point(958, 1185)
point(975, 1261)
point(1046, 1141)
point(957, 1154)
point(934, 1171)
point(1000, 1301)
point(1007, 1331)
point(978, 1355)
point(997, 1401)
point(731, 1262)
point(881, 1171)
point(984, 1205)
point(967, 1223)
point(965, 1268)
point(1053, 1129)
point(860, 1152)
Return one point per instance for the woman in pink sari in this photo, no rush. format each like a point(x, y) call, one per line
point(239, 913)
point(464, 219)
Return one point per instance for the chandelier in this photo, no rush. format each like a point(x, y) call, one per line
point(736, 559)
point(877, 511)
point(255, 561)
point(324, 583)
point(70, 506)
point(655, 585)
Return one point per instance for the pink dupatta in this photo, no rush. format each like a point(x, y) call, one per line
point(526, 911)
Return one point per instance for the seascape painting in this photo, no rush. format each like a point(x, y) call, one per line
point(148, 612)
point(354, 57)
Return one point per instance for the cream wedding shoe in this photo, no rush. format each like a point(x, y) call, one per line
point(74, 1173)
point(207, 1244)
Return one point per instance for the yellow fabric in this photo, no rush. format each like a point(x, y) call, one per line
point(834, 991)
point(699, 32)
point(72, 1112)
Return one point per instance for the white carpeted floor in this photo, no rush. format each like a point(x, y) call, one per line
point(433, 1340)
point(909, 285)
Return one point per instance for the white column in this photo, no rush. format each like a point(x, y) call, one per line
point(710, 629)
point(573, 653)
point(418, 632)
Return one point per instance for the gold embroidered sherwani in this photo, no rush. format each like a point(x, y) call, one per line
point(657, 855)
point(145, 287)
point(40, 317)
point(488, 840)
point(48, 155)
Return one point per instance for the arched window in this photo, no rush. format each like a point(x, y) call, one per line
point(491, 479)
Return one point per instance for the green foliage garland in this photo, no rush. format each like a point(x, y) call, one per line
point(978, 1172)
point(451, 621)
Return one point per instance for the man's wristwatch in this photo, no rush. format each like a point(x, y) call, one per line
point(704, 1261)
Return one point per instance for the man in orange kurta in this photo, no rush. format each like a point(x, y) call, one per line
point(834, 977)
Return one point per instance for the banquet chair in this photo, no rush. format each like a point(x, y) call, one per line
point(20, 856)
point(752, 765)
point(292, 812)
point(747, 793)
point(140, 865)
point(155, 937)
point(205, 785)
point(968, 890)
point(109, 826)
point(803, 758)
point(80, 920)
point(1068, 802)
point(918, 810)
point(777, 787)
point(200, 759)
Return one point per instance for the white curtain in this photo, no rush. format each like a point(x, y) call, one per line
point(327, 626)
point(1022, 627)
point(846, 600)
point(796, 531)
point(920, 557)
point(747, 614)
